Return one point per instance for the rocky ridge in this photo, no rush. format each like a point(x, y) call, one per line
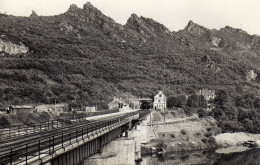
point(87, 51)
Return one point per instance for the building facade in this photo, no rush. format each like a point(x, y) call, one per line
point(14, 109)
point(61, 107)
point(159, 101)
point(118, 104)
point(208, 94)
point(89, 109)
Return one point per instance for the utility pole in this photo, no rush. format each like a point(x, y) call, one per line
point(55, 106)
point(165, 89)
point(150, 119)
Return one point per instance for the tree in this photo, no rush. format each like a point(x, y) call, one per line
point(202, 102)
point(193, 101)
point(257, 103)
point(221, 97)
point(231, 112)
point(202, 112)
point(176, 101)
point(4, 122)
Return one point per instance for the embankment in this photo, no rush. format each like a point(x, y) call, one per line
point(180, 134)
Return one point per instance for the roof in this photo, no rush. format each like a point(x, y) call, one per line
point(145, 99)
point(22, 106)
point(52, 105)
point(207, 92)
point(116, 101)
point(160, 92)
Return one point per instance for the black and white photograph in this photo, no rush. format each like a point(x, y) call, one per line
point(129, 82)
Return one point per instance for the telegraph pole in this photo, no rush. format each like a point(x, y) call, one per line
point(55, 105)
point(165, 89)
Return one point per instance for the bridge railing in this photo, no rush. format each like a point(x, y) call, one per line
point(18, 130)
point(14, 131)
point(49, 144)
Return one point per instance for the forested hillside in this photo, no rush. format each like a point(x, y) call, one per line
point(83, 57)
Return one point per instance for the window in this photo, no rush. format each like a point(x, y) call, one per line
point(160, 95)
point(159, 101)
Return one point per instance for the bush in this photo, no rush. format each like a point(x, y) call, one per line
point(183, 132)
point(176, 101)
point(4, 123)
point(209, 134)
point(202, 112)
point(221, 97)
point(189, 111)
point(198, 133)
point(45, 116)
point(193, 101)
point(257, 103)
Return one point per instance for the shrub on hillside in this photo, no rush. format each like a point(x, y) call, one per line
point(44, 116)
point(196, 101)
point(183, 132)
point(221, 97)
point(202, 112)
point(257, 103)
point(176, 101)
point(189, 111)
point(4, 123)
point(193, 101)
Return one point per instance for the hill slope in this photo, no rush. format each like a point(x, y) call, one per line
point(83, 56)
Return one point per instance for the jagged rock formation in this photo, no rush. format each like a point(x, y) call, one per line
point(33, 14)
point(195, 29)
point(145, 26)
point(84, 56)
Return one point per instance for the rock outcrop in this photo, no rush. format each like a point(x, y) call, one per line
point(34, 14)
point(147, 27)
point(195, 29)
point(234, 30)
point(251, 75)
point(216, 41)
point(10, 48)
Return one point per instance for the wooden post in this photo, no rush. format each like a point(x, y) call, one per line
point(26, 152)
point(11, 157)
point(39, 148)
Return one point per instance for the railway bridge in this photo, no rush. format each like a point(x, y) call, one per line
point(67, 144)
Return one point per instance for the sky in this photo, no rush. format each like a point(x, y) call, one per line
point(174, 14)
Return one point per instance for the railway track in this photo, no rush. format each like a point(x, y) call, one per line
point(32, 144)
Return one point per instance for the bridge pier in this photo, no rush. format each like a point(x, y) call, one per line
point(130, 125)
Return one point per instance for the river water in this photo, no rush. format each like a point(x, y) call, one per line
point(122, 152)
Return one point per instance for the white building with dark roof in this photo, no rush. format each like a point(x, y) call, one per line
point(159, 101)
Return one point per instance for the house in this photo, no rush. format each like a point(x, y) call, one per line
point(52, 107)
point(118, 104)
point(2, 109)
point(159, 101)
point(14, 109)
point(208, 94)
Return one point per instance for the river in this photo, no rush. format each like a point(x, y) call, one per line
point(122, 152)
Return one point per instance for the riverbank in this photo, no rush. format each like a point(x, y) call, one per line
point(180, 133)
point(183, 133)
